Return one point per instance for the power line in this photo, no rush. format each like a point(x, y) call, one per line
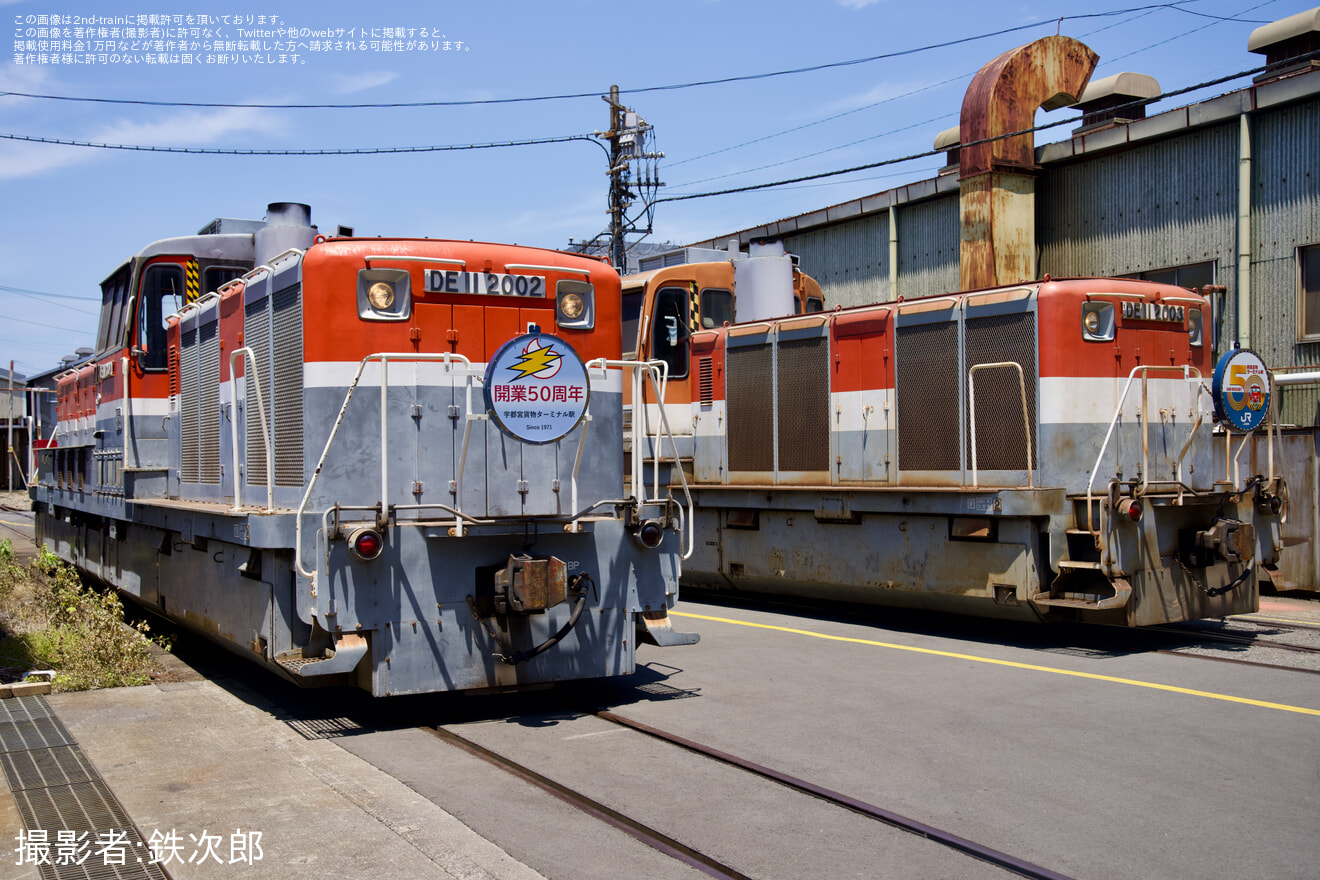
point(885, 162)
point(1177, 6)
point(1144, 11)
point(38, 295)
point(363, 151)
point(820, 152)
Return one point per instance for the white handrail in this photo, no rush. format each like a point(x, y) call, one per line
point(651, 370)
point(1187, 372)
point(1026, 416)
point(265, 431)
point(446, 357)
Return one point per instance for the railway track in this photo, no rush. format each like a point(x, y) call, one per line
point(706, 863)
point(1247, 635)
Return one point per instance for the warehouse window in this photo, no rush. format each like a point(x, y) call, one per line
point(1308, 307)
point(1193, 275)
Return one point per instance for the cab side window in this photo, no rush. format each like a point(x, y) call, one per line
point(162, 295)
point(669, 330)
point(716, 307)
point(113, 294)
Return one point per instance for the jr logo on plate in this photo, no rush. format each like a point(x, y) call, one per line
point(536, 388)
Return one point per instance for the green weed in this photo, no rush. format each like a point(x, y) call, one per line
point(55, 621)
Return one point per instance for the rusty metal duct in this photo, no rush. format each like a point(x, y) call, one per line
point(997, 179)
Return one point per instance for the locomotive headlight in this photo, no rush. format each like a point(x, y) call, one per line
point(381, 296)
point(1097, 321)
point(572, 306)
point(1195, 327)
point(575, 305)
point(384, 294)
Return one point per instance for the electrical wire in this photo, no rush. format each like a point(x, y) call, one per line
point(363, 151)
point(927, 153)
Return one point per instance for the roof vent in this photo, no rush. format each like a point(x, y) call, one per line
point(1286, 45)
point(950, 139)
point(1116, 100)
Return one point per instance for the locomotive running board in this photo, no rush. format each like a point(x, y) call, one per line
point(344, 658)
point(656, 628)
point(1081, 600)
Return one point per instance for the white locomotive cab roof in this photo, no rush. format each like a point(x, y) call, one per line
point(237, 247)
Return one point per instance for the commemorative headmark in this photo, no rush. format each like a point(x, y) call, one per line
point(1241, 389)
point(536, 388)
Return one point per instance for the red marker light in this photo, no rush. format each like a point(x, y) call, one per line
point(366, 544)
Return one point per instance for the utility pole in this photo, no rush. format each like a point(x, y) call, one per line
point(626, 135)
point(618, 191)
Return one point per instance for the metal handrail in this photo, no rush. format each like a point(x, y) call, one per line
point(384, 358)
point(1026, 415)
point(409, 258)
point(651, 370)
point(1187, 372)
point(265, 432)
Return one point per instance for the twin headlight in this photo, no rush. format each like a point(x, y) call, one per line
point(386, 295)
point(1098, 323)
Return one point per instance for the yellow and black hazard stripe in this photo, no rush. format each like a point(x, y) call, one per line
point(694, 310)
point(192, 281)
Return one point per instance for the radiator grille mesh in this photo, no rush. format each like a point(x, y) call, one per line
point(288, 382)
point(1000, 435)
point(188, 426)
point(804, 404)
point(208, 395)
point(705, 380)
point(750, 383)
point(927, 364)
point(256, 335)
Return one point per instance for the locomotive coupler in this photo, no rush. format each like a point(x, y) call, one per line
point(530, 583)
point(1230, 540)
point(579, 588)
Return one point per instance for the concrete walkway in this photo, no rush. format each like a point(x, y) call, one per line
point(193, 760)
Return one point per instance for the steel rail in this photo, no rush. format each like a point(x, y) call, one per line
point(634, 829)
point(1237, 660)
point(1003, 860)
point(1236, 639)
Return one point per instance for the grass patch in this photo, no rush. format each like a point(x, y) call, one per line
point(50, 619)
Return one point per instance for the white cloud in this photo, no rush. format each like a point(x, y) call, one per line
point(188, 129)
point(22, 78)
point(197, 129)
point(857, 4)
point(348, 85)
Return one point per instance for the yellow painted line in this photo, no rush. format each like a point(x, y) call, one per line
point(20, 524)
point(1091, 675)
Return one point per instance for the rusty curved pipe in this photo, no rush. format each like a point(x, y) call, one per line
point(998, 234)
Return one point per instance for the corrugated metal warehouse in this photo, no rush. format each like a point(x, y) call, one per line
point(1223, 192)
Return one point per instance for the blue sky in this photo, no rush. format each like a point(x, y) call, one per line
point(69, 215)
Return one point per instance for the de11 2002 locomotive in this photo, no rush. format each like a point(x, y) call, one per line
point(392, 463)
